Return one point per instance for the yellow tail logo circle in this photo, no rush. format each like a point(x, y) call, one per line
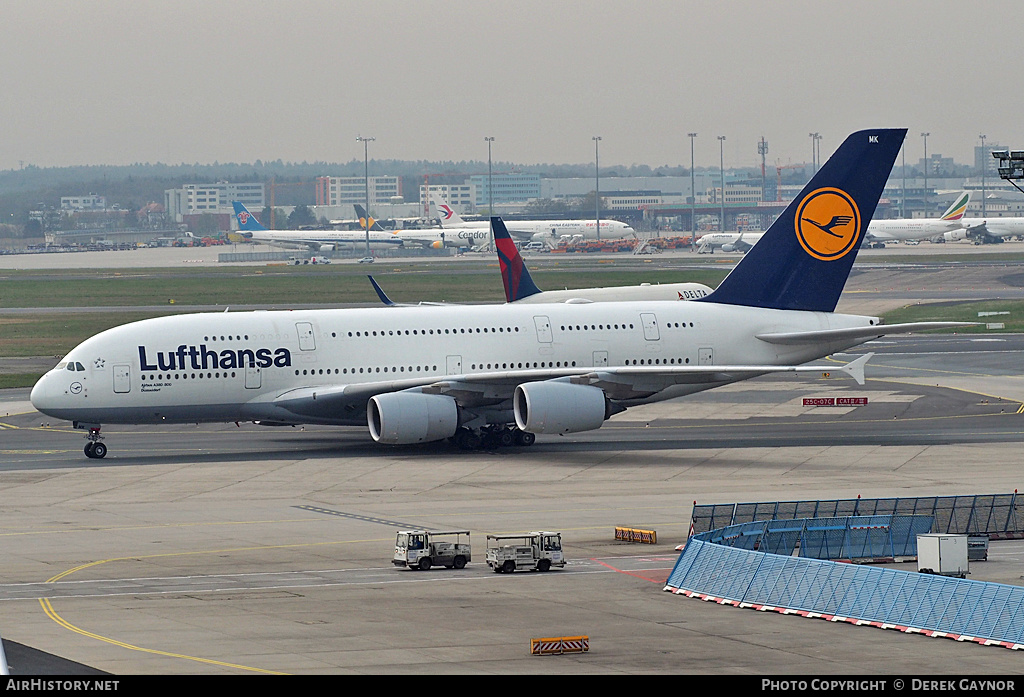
point(827, 223)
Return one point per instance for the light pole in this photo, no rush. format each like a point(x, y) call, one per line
point(721, 171)
point(984, 166)
point(903, 202)
point(815, 151)
point(693, 200)
point(490, 188)
point(366, 179)
point(925, 136)
point(597, 186)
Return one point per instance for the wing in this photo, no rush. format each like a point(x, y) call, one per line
point(346, 404)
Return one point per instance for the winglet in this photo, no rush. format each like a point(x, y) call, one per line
point(380, 293)
point(246, 221)
point(855, 369)
point(514, 274)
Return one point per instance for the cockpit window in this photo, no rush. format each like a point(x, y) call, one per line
point(62, 365)
point(79, 367)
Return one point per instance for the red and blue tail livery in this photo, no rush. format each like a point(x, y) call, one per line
point(514, 274)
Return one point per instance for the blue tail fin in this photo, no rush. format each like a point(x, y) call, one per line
point(361, 214)
point(246, 221)
point(803, 260)
point(514, 274)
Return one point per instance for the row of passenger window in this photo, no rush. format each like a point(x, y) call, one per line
point(187, 376)
point(425, 332)
point(377, 369)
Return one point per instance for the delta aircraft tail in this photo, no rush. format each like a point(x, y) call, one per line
point(514, 274)
point(803, 260)
point(246, 221)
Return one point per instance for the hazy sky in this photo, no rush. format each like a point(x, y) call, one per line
point(116, 82)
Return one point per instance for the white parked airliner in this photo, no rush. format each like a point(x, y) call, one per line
point(550, 232)
point(894, 230)
point(500, 373)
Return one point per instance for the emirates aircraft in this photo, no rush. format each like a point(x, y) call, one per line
point(497, 374)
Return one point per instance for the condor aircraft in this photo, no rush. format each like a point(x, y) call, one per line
point(548, 231)
point(497, 373)
point(314, 240)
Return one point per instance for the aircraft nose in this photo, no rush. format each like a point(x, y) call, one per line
point(43, 396)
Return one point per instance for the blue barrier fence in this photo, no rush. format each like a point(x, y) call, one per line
point(721, 565)
point(995, 515)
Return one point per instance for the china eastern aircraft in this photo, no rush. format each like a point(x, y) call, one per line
point(497, 374)
point(882, 231)
point(548, 231)
point(314, 240)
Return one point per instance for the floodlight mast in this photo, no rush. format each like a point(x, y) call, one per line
point(1011, 166)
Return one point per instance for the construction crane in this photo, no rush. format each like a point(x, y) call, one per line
point(778, 178)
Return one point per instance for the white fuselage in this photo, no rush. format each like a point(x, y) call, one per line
point(319, 239)
point(996, 227)
point(908, 229)
point(222, 367)
point(552, 231)
point(728, 241)
point(644, 291)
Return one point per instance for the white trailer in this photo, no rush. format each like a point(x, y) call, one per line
point(534, 551)
point(421, 549)
point(943, 554)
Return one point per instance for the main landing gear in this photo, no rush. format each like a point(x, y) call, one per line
point(492, 438)
point(95, 449)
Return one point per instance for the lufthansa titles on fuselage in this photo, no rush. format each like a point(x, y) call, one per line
point(202, 358)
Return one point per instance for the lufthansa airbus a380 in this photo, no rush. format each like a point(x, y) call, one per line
point(499, 373)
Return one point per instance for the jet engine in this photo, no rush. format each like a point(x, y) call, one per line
point(954, 235)
point(728, 248)
point(558, 407)
point(327, 248)
point(438, 244)
point(402, 418)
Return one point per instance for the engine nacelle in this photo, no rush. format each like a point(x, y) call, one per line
point(438, 244)
point(402, 418)
point(728, 248)
point(558, 407)
point(955, 235)
point(327, 248)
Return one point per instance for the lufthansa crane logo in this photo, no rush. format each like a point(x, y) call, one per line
point(827, 223)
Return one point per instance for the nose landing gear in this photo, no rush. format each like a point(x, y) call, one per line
point(95, 449)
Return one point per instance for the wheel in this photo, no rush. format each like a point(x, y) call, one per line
point(508, 567)
point(544, 565)
point(525, 438)
point(88, 449)
point(99, 450)
point(424, 563)
point(460, 562)
point(506, 438)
